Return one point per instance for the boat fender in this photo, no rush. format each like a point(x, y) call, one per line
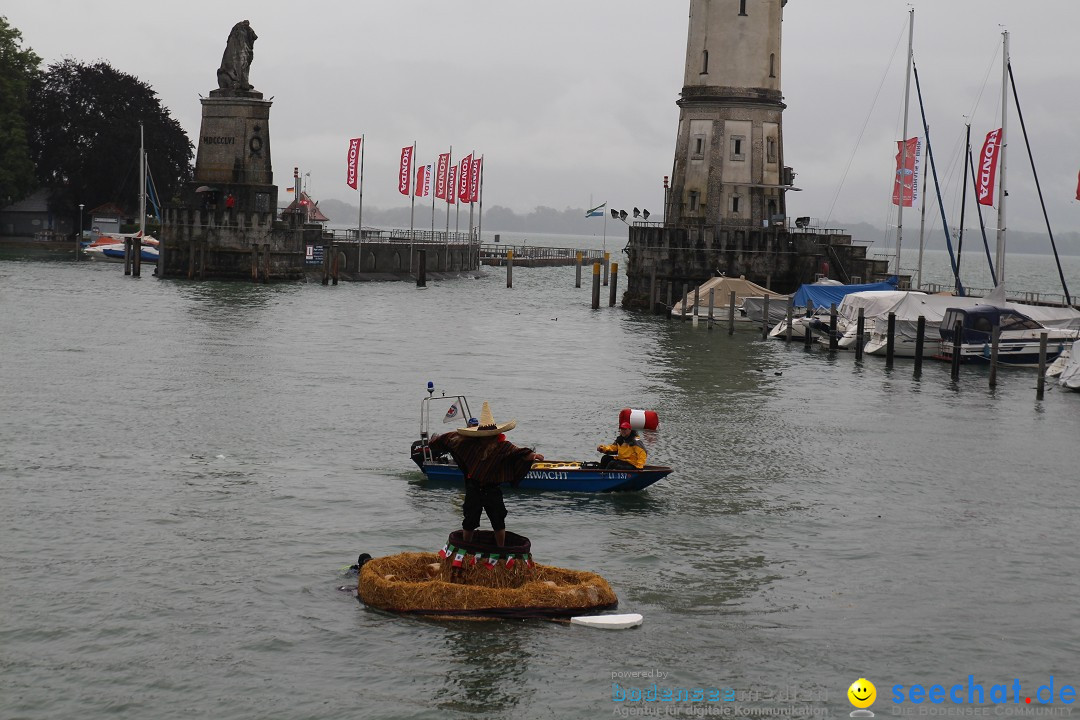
point(640, 419)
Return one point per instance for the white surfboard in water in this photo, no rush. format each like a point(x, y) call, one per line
point(608, 622)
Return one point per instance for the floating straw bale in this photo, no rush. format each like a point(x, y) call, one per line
point(413, 591)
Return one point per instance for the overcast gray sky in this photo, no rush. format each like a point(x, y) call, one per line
point(569, 100)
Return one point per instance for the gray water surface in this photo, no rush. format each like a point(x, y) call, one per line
point(185, 468)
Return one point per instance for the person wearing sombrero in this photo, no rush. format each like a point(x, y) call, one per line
point(487, 460)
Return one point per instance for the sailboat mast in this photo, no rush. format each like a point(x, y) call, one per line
point(1002, 193)
point(142, 181)
point(903, 141)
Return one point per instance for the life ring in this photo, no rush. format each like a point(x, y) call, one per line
point(640, 419)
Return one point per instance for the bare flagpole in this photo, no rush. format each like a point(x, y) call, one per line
point(360, 216)
point(480, 208)
point(412, 200)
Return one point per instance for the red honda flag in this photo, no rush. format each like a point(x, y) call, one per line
point(352, 162)
point(474, 180)
point(907, 177)
point(463, 178)
point(405, 170)
point(440, 175)
point(423, 180)
point(451, 185)
point(988, 167)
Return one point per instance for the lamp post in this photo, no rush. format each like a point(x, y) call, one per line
point(78, 235)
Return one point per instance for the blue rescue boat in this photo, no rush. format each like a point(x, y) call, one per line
point(558, 475)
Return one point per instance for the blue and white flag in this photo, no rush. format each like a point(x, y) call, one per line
point(597, 211)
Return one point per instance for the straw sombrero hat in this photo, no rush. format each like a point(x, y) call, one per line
point(487, 426)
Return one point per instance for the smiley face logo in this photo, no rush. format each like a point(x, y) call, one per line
point(862, 693)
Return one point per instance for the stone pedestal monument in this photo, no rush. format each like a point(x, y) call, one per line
point(226, 225)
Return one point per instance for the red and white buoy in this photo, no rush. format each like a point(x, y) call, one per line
point(640, 419)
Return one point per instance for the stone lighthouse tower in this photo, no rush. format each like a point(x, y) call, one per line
point(729, 158)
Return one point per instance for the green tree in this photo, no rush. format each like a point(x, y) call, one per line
point(17, 68)
point(84, 136)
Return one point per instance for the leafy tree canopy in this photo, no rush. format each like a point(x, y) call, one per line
point(84, 136)
point(17, 68)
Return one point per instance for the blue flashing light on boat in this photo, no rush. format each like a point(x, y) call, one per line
point(430, 387)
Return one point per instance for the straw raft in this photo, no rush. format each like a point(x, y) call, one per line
point(417, 583)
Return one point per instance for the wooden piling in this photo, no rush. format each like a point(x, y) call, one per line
point(765, 318)
point(920, 338)
point(577, 271)
point(614, 284)
point(731, 314)
point(326, 264)
point(509, 268)
point(421, 268)
point(832, 328)
point(958, 329)
point(683, 303)
point(254, 262)
point(1042, 366)
point(335, 263)
point(712, 293)
point(127, 256)
point(995, 338)
point(697, 302)
point(266, 263)
point(790, 317)
point(860, 337)
point(596, 286)
point(890, 341)
point(669, 305)
point(607, 261)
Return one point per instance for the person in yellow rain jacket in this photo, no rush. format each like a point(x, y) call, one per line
point(627, 453)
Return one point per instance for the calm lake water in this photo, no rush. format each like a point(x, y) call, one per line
point(185, 468)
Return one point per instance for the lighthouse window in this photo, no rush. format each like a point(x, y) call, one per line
point(704, 62)
point(772, 65)
point(734, 204)
point(770, 149)
point(699, 147)
point(693, 201)
point(742, 7)
point(737, 142)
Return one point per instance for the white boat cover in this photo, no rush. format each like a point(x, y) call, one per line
point(1070, 374)
point(933, 307)
point(723, 287)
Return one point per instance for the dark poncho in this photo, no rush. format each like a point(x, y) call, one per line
point(486, 460)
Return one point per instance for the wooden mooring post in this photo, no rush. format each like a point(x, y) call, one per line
point(509, 268)
point(994, 340)
point(136, 257)
point(790, 317)
point(614, 284)
point(596, 286)
point(577, 271)
point(127, 256)
point(712, 293)
point(335, 263)
point(421, 268)
point(920, 329)
point(832, 328)
point(607, 261)
point(670, 305)
point(1042, 366)
point(697, 302)
point(254, 262)
point(860, 337)
point(765, 318)
point(683, 303)
point(731, 314)
point(958, 328)
point(890, 341)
